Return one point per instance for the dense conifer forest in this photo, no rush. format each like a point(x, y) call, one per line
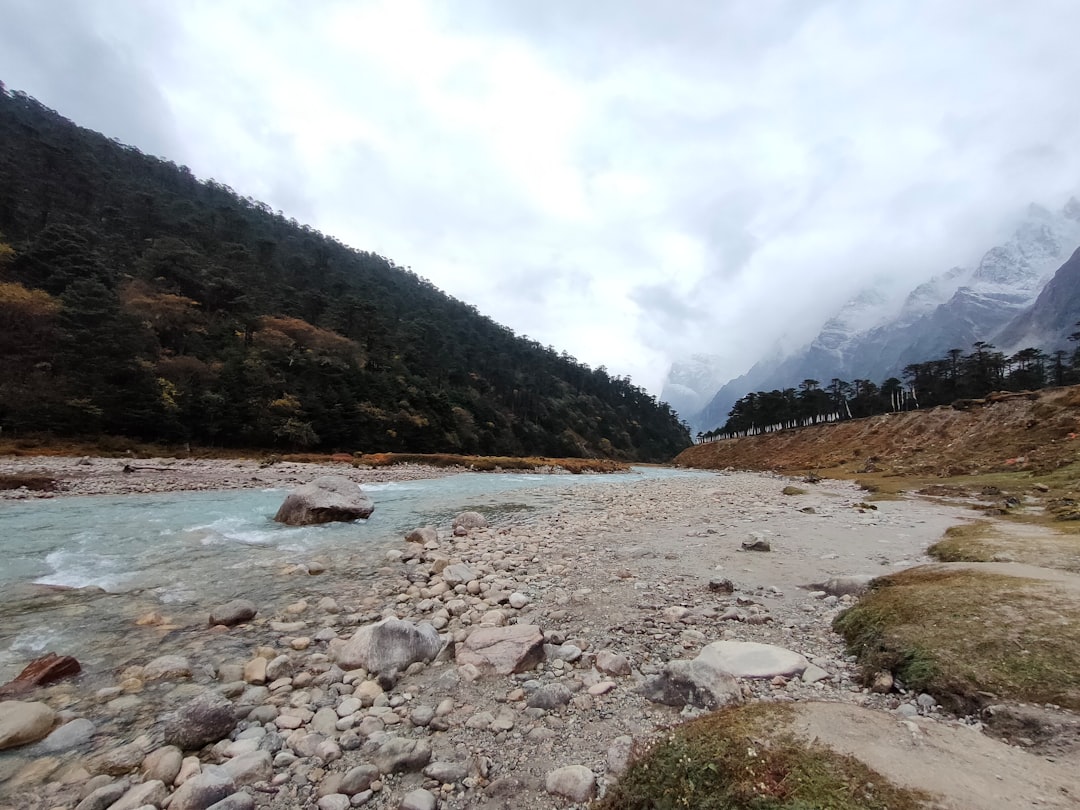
point(138, 301)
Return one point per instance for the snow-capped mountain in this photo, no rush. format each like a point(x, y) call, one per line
point(875, 336)
point(691, 383)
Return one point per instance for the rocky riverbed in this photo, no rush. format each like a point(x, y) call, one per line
point(539, 649)
point(114, 476)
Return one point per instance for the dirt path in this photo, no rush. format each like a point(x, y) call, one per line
point(962, 767)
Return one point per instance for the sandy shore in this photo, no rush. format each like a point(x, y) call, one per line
point(107, 476)
point(621, 570)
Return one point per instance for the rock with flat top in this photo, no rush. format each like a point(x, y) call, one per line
point(692, 683)
point(325, 500)
point(749, 659)
point(502, 650)
point(389, 646)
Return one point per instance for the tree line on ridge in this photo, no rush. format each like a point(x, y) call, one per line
point(936, 382)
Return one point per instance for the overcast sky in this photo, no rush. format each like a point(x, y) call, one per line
point(629, 181)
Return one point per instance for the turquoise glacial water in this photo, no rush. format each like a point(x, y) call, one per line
point(190, 550)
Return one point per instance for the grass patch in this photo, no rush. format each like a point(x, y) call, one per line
point(960, 634)
point(1033, 540)
point(745, 758)
point(38, 483)
point(969, 542)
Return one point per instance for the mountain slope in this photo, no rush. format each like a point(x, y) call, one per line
point(142, 302)
point(1053, 316)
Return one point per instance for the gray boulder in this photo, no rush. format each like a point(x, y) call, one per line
point(232, 613)
point(389, 646)
point(692, 683)
point(326, 499)
point(204, 719)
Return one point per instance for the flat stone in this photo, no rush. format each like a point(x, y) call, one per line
point(502, 650)
point(148, 793)
point(749, 659)
point(418, 799)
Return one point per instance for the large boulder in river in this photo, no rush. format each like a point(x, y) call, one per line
point(390, 646)
point(326, 499)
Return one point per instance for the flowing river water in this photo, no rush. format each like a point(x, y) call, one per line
point(77, 572)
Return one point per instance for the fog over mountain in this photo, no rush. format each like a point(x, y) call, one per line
point(877, 333)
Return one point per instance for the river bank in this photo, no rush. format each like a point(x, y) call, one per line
point(89, 475)
point(619, 580)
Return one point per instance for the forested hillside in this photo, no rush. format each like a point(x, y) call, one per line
point(136, 300)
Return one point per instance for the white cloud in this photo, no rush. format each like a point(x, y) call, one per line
point(626, 180)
